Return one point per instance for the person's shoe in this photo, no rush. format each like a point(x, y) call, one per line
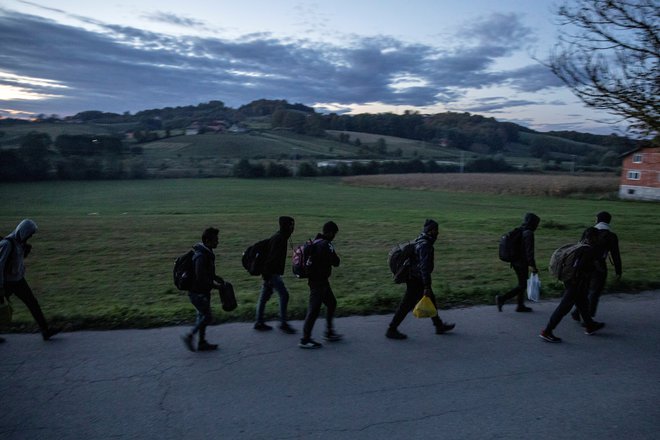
point(444, 328)
point(575, 315)
point(393, 333)
point(286, 328)
point(309, 343)
point(523, 309)
point(499, 303)
point(50, 333)
point(593, 327)
point(331, 336)
point(188, 341)
point(205, 346)
point(262, 327)
point(548, 336)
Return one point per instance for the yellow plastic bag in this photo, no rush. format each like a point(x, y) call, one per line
point(425, 308)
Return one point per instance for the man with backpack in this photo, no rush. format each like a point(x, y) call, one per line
point(418, 283)
point(576, 288)
point(607, 243)
point(13, 250)
point(322, 258)
point(522, 262)
point(204, 280)
point(272, 276)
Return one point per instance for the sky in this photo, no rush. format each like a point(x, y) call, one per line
point(345, 56)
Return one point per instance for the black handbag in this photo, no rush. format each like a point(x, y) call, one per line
point(227, 297)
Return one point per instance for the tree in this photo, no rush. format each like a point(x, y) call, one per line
point(610, 58)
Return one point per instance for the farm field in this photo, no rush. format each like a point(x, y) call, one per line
point(104, 253)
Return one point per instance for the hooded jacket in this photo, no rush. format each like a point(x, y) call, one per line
point(12, 251)
point(324, 258)
point(529, 225)
point(424, 259)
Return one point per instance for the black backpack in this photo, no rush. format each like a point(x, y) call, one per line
point(184, 271)
point(254, 257)
point(400, 258)
point(511, 245)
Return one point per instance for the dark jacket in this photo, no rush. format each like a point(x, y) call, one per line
point(424, 260)
point(585, 263)
point(323, 257)
point(529, 225)
point(608, 243)
point(204, 262)
point(276, 258)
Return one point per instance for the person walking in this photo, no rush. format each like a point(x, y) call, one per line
point(419, 283)
point(576, 289)
point(13, 250)
point(607, 243)
point(523, 263)
point(272, 276)
point(323, 258)
point(203, 282)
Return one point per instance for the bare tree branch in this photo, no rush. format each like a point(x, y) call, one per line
point(610, 57)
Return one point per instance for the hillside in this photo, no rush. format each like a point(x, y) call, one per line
point(210, 139)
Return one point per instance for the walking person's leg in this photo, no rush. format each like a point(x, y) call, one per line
point(264, 296)
point(313, 309)
point(23, 292)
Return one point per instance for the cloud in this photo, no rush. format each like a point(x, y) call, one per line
point(494, 104)
point(178, 20)
point(118, 68)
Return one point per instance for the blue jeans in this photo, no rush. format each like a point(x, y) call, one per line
point(273, 282)
point(202, 303)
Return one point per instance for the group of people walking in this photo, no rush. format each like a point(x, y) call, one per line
point(582, 290)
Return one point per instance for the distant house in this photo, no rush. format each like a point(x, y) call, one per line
point(640, 176)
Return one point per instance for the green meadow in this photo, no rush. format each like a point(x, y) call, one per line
point(104, 252)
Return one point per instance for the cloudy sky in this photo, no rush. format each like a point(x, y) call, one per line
point(66, 56)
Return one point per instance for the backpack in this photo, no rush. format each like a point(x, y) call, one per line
point(562, 261)
point(400, 259)
point(301, 261)
point(184, 271)
point(9, 261)
point(254, 257)
point(511, 245)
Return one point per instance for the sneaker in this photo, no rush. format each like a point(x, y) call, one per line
point(523, 309)
point(393, 333)
point(444, 328)
point(262, 327)
point(593, 327)
point(205, 346)
point(499, 303)
point(549, 337)
point(188, 341)
point(575, 315)
point(331, 336)
point(50, 333)
point(286, 328)
point(309, 343)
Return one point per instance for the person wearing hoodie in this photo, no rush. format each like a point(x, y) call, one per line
point(522, 264)
point(272, 276)
point(323, 257)
point(607, 243)
point(419, 283)
point(13, 250)
point(576, 288)
point(204, 281)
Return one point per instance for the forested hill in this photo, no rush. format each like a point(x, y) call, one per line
point(457, 130)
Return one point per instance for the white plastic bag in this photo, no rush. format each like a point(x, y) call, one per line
point(534, 287)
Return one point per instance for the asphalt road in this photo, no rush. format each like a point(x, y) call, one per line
point(492, 378)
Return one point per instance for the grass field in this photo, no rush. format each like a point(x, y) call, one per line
point(104, 253)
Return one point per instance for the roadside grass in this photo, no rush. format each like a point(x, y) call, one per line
point(105, 249)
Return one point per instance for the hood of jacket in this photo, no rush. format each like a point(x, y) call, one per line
point(531, 221)
point(25, 229)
